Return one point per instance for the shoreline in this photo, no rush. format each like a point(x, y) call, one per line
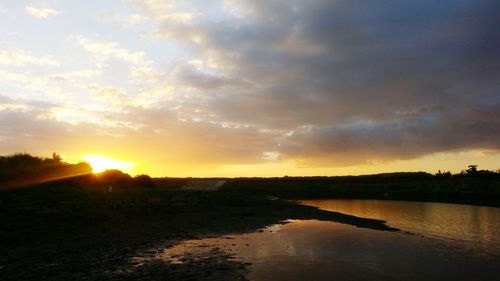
point(61, 233)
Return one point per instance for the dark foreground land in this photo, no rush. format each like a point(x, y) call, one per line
point(67, 225)
point(58, 232)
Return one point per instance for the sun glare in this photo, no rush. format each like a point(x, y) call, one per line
point(101, 163)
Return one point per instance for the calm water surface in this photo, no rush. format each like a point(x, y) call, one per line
point(477, 224)
point(458, 242)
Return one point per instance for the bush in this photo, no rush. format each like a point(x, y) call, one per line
point(114, 177)
point(143, 181)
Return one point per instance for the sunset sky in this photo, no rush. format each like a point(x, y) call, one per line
point(253, 88)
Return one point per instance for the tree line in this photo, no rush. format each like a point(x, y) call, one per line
point(22, 169)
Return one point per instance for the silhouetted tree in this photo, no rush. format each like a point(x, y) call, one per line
point(471, 169)
point(443, 174)
point(56, 157)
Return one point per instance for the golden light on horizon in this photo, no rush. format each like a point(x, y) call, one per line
point(100, 163)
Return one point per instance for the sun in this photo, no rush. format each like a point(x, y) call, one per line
point(101, 163)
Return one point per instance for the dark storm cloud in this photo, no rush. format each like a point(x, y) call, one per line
point(419, 76)
point(407, 137)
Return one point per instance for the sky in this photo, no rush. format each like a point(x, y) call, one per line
point(253, 88)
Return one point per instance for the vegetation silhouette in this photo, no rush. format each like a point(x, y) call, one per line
point(470, 186)
point(22, 169)
point(480, 187)
point(116, 179)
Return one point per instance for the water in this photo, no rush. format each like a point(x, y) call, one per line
point(477, 225)
point(452, 246)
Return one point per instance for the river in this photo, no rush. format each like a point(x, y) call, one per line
point(438, 242)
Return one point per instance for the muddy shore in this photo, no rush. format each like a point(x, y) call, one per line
point(65, 233)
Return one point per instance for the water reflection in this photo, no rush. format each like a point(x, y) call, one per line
point(461, 222)
point(318, 250)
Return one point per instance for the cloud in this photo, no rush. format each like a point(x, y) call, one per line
point(7, 103)
point(199, 75)
point(418, 76)
point(21, 58)
point(76, 75)
point(317, 82)
point(125, 20)
point(113, 97)
point(41, 13)
point(108, 92)
point(104, 50)
point(168, 140)
point(153, 7)
point(404, 138)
